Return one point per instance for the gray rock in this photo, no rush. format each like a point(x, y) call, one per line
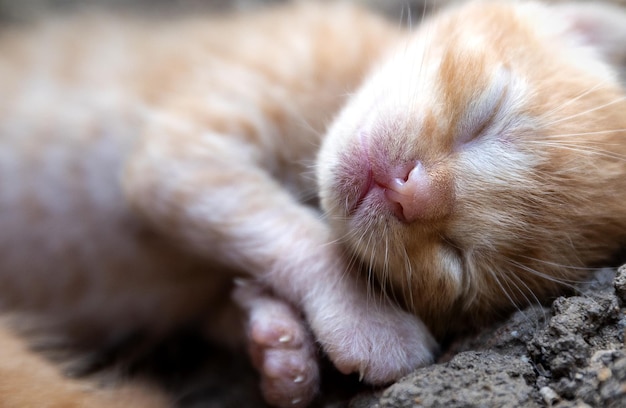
point(470, 379)
point(620, 284)
point(571, 355)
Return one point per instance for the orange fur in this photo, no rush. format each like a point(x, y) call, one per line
point(27, 380)
point(535, 189)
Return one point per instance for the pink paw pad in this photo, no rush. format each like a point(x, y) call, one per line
point(281, 347)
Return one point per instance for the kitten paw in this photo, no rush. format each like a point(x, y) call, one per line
point(281, 347)
point(382, 343)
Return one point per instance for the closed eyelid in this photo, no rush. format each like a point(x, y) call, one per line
point(482, 110)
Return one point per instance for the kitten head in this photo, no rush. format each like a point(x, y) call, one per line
point(483, 164)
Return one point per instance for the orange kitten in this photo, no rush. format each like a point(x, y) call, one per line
point(143, 164)
point(483, 166)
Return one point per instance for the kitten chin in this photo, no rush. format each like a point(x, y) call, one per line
point(483, 165)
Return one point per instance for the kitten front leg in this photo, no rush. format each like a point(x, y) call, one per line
point(210, 193)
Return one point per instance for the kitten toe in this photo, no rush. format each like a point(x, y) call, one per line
point(281, 348)
point(289, 377)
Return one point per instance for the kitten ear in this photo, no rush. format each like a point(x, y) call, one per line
point(601, 25)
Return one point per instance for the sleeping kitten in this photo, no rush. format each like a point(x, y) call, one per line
point(480, 167)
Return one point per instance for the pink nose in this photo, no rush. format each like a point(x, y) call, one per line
point(418, 194)
point(411, 193)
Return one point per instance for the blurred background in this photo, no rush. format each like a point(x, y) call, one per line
point(17, 10)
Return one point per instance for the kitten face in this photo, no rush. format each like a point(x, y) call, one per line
point(482, 163)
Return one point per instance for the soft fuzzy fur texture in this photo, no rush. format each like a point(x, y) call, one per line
point(144, 164)
point(483, 166)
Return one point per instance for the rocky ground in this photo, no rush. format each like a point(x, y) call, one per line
point(569, 355)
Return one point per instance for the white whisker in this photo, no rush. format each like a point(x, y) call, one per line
point(549, 278)
point(599, 132)
point(570, 101)
point(586, 149)
point(506, 293)
point(409, 276)
point(597, 108)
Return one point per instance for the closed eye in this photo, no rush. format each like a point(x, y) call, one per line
point(482, 111)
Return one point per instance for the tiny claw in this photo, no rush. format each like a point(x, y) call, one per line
point(298, 379)
point(241, 282)
point(284, 339)
point(296, 401)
